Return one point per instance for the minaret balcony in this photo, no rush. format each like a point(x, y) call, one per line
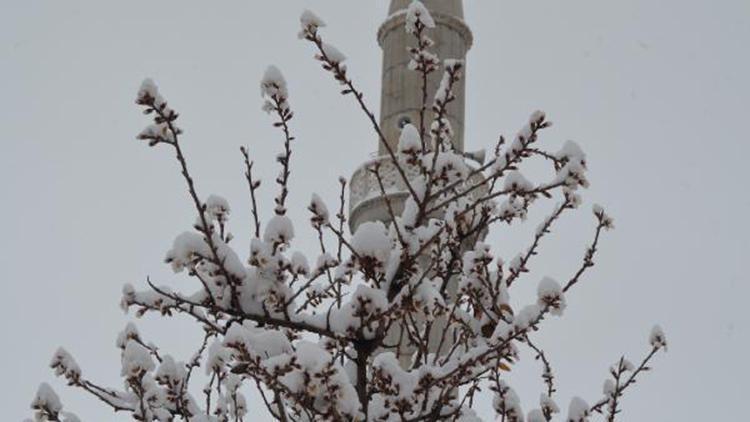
point(366, 199)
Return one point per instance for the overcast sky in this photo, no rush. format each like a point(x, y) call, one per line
point(656, 93)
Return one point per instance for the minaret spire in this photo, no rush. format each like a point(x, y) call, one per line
point(401, 96)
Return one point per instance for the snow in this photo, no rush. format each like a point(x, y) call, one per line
point(364, 302)
point(392, 266)
point(443, 92)
point(537, 117)
point(128, 294)
point(64, 365)
point(310, 355)
point(324, 261)
point(515, 264)
point(169, 371)
point(511, 208)
point(574, 199)
point(517, 182)
point(409, 141)
point(279, 230)
point(468, 415)
point(260, 252)
point(572, 175)
point(273, 83)
point(258, 341)
point(377, 409)
point(185, 249)
point(236, 400)
point(477, 155)
point(657, 338)
point(217, 208)
point(409, 215)
point(571, 151)
point(419, 183)
point(573, 171)
point(441, 129)
point(502, 331)
point(309, 18)
point(548, 404)
point(450, 164)
point(441, 95)
point(475, 263)
point(309, 23)
point(474, 259)
point(453, 64)
point(274, 90)
point(130, 332)
point(156, 132)
point(427, 298)
point(319, 210)
point(507, 402)
point(229, 257)
point(387, 364)
point(597, 209)
point(524, 135)
point(333, 54)
point(536, 415)
point(371, 240)
point(607, 220)
point(578, 411)
point(149, 91)
point(550, 293)
point(218, 357)
point(418, 12)
point(299, 264)
point(527, 316)
point(500, 162)
point(46, 398)
point(148, 87)
point(318, 290)
point(422, 59)
point(136, 360)
point(306, 379)
point(69, 417)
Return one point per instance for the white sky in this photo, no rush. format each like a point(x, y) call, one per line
point(655, 91)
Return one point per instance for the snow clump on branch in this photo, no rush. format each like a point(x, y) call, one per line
point(309, 23)
point(417, 14)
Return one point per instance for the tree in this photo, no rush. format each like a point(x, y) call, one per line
point(403, 320)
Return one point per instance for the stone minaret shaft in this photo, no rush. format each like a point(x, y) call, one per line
point(401, 95)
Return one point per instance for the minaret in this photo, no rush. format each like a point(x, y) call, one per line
point(400, 103)
point(401, 96)
point(401, 100)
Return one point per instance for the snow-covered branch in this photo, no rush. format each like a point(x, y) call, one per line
point(408, 318)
